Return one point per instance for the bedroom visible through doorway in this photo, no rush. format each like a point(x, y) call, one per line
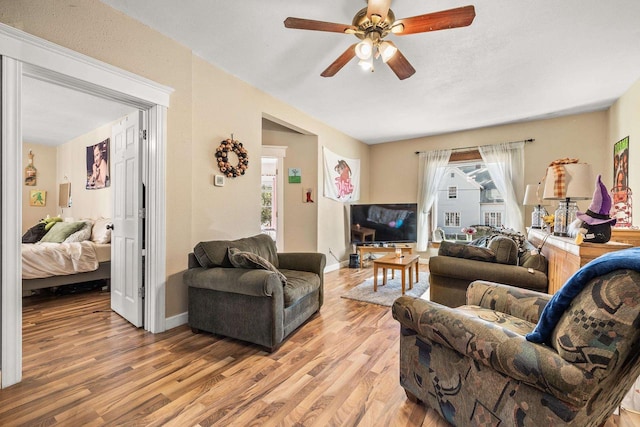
point(68, 142)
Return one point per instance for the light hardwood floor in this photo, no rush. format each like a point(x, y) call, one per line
point(85, 366)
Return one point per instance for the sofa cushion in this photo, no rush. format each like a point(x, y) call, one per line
point(535, 260)
point(299, 284)
point(519, 238)
point(460, 250)
point(214, 253)
point(240, 259)
point(606, 310)
point(505, 249)
point(604, 264)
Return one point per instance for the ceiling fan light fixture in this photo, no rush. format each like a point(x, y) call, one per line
point(366, 64)
point(387, 50)
point(397, 28)
point(364, 49)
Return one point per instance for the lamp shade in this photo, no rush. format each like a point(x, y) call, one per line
point(532, 196)
point(575, 183)
point(387, 50)
point(364, 49)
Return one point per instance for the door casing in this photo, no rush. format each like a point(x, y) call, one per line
point(25, 54)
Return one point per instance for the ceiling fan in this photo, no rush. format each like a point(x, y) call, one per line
point(373, 23)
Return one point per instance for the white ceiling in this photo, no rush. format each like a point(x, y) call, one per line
point(519, 60)
point(53, 115)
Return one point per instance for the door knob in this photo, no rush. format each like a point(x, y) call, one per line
point(109, 226)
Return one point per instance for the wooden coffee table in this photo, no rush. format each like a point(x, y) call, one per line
point(403, 263)
point(381, 248)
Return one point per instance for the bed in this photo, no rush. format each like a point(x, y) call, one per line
point(69, 252)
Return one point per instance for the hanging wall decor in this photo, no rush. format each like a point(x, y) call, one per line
point(622, 204)
point(98, 166)
point(38, 198)
point(30, 172)
point(227, 149)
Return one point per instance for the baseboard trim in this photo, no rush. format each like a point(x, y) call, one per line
point(336, 266)
point(177, 320)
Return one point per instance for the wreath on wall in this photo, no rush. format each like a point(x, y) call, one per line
point(227, 146)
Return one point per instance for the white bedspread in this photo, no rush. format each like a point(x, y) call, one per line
point(44, 259)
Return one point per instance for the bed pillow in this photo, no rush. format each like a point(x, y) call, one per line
point(61, 230)
point(100, 233)
point(240, 259)
point(35, 233)
point(81, 235)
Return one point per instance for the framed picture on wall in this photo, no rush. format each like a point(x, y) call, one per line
point(37, 198)
point(621, 191)
point(98, 165)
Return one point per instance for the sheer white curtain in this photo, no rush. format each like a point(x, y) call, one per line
point(505, 163)
point(431, 168)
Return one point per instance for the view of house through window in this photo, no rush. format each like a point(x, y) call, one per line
point(467, 197)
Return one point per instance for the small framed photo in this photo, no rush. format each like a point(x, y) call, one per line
point(37, 198)
point(218, 180)
point(295, 176)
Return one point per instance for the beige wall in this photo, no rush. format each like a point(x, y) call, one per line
point(44, 160)
point(624, 120)
point(206, 107)
point(582, 136)
point(300, 219)
point(72, 167)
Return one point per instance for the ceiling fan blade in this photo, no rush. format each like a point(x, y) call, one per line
point(452, 18)
point(342, 60)
point(310, 24)
point(400, 65)
point(378, 8)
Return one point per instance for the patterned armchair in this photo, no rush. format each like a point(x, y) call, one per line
point(474, 366)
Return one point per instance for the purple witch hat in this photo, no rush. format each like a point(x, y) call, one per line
point(598, 212)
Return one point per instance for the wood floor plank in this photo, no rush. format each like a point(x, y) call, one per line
point(84, 365)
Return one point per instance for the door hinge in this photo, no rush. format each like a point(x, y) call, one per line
point(143, 133)
point(141, 292)
point(141, 213)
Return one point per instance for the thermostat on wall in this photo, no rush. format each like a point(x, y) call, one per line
point(218, 180)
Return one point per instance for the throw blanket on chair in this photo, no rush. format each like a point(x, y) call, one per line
point(624, 259)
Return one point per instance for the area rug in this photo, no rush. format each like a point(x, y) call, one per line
point(388, 293)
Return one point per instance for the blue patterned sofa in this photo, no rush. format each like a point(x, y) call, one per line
point(474, 366)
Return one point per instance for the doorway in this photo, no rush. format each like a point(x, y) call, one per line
point(25, 55)
point(272, 194)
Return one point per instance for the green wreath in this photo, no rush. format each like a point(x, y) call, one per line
point(222, 154)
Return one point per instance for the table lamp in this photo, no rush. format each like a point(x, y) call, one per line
point(532, 198)
point(567, 183)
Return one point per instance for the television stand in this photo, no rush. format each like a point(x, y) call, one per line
point(379, 248)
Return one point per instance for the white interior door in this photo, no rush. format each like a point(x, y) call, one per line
point(127, 288)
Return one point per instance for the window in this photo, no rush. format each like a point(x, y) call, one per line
point(453, 192)
point(467, 196)
point(452, 219)
point(493, 219)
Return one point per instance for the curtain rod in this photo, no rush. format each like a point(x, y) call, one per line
point(453, 150)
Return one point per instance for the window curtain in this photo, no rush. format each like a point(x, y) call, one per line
point(505, 163)
point(431, 169)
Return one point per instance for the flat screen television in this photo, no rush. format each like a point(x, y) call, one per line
point(392, 222)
